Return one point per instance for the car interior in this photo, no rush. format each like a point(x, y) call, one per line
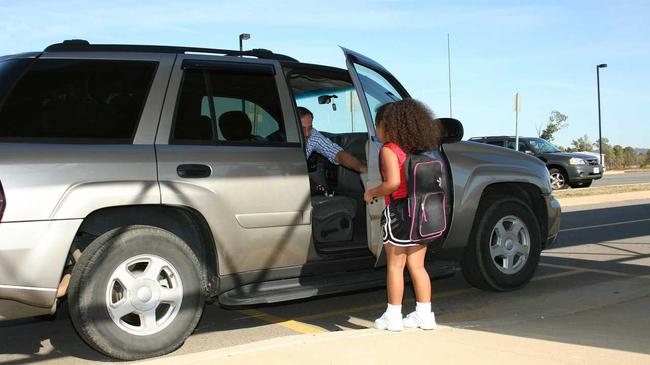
point(338, 215)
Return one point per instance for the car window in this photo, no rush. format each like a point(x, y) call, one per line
point(335, 111)
point(542, 145)
point(228, 107)
point(522, 146)
point(10, 71)
point(77, 101)
point(378, 90)
point(495, 143)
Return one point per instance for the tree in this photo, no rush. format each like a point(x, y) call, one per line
point(616, 158)
point(607, 152)
point(582, 144)
point(556, 121)
point(607, 148)
point(646, 163)
point(629, 157)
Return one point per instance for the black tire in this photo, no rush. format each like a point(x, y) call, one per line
point(583, 184)
point(562, 179)
point(478, 267)
point(90, 278)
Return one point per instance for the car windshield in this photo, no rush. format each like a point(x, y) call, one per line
point(542, 145)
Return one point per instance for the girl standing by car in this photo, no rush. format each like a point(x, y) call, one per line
point(403, 126)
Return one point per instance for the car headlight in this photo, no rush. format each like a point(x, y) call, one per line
point(577, 161)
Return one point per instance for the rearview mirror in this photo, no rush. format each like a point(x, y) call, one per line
point(452, 130)
point(326, 99)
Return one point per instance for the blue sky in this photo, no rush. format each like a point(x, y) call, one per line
point(545, 50)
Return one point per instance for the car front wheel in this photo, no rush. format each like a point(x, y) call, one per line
point(136, 293)
point(559, 180)
point(505, 246)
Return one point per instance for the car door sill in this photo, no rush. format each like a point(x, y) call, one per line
point(299, 288)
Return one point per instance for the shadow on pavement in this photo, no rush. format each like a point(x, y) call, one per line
point(604, 305)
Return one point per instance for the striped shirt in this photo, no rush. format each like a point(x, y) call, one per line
point(321, 144)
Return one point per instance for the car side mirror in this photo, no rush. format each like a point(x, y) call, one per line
point(452, 130)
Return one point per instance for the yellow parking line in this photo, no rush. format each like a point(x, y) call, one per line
point(606, 272)
point(286, 323)
point(342, 312)
point(297, 324)
point(557, 275)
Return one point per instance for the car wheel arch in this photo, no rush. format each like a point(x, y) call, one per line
point(186, 223)
point(528, 193)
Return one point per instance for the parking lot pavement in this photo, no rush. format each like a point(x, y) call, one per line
point(591, 293)
point(624, 178)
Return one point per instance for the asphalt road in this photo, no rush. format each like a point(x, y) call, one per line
point(623, 178)
point(591, 289)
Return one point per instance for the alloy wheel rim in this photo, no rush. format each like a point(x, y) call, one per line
point(510, 244)
point(557, 180)
point(144, 295)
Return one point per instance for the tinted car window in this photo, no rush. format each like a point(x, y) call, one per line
point(228, 107)
point(10, 71)
point(542, 145)
point(77, 101)
point(495, 143)
point(522, 146)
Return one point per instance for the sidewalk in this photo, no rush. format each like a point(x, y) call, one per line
point(444, 345)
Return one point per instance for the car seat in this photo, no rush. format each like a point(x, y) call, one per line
point(197, 128)
point(236, 126)
point(333, 218)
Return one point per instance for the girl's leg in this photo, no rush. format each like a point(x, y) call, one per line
point(419, 275)
point(396, 260)
point(423, 317)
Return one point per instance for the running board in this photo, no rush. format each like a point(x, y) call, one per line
point(300, 288)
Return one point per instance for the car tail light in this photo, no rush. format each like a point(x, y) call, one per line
point(3, 202)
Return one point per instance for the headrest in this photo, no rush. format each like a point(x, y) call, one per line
point(235, 125)
point(452, 130)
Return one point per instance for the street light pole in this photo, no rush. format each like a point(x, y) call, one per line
point(600, 134)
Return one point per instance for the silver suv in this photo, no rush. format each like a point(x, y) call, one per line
point(138, 181)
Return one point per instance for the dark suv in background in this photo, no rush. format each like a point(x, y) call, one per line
point(577, 170)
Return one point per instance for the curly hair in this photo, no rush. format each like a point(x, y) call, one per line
point(410, 124)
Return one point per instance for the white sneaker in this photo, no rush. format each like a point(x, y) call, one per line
point(391, 322)
point(425, 322)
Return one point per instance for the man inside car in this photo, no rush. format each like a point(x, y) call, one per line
point(316, 142)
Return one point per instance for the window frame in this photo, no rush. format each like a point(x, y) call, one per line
point(209, 65)
point(87, 141)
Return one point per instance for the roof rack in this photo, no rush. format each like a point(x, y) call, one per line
point(80, 45)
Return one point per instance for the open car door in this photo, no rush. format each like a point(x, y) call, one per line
point(375, 86)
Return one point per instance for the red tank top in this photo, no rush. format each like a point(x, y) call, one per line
point(401, 192)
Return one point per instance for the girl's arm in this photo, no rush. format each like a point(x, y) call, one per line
point(390, 166)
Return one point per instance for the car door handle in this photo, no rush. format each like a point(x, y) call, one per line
point(193, 171)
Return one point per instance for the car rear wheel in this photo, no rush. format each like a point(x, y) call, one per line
point(505, 245)
point(559, 179)
point(136, 292)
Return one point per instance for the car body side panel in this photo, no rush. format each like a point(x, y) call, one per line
point(41, 181)
point(32, 255)
point(474, 167)
point(256, 200)
point(51, 187)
